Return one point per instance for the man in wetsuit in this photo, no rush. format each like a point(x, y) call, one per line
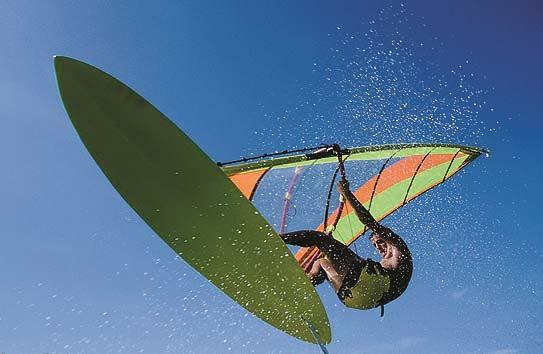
point(359, 283)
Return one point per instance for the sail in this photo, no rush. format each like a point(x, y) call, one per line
point(294, 192)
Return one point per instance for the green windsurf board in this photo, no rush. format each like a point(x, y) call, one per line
point(188, 201)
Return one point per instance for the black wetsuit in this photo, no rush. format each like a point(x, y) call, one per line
point(366, 284)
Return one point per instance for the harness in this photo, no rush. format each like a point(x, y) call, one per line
point(363, 268)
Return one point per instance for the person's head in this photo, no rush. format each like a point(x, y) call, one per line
point(392, 257)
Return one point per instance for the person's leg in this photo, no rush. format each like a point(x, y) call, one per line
point(317, 275)
point(340, 256)
point(324, 265)
point(302, 238)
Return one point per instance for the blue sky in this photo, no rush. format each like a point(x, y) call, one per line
point(80, 273)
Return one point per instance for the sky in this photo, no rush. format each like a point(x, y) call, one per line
point(81, 273)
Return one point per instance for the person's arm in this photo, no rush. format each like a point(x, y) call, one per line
point(365, 217)
point(361, 212)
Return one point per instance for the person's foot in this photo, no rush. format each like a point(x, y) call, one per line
point(304, 238)
point(319, 278)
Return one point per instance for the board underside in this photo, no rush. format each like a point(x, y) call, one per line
point(188, 201)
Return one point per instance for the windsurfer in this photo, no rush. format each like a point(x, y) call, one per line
point(359, 283)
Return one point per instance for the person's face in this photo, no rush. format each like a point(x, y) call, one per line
point(380, 245)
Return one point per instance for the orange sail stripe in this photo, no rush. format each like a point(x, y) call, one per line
point(396, 173)
point(247, 181)
point(414, 196)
